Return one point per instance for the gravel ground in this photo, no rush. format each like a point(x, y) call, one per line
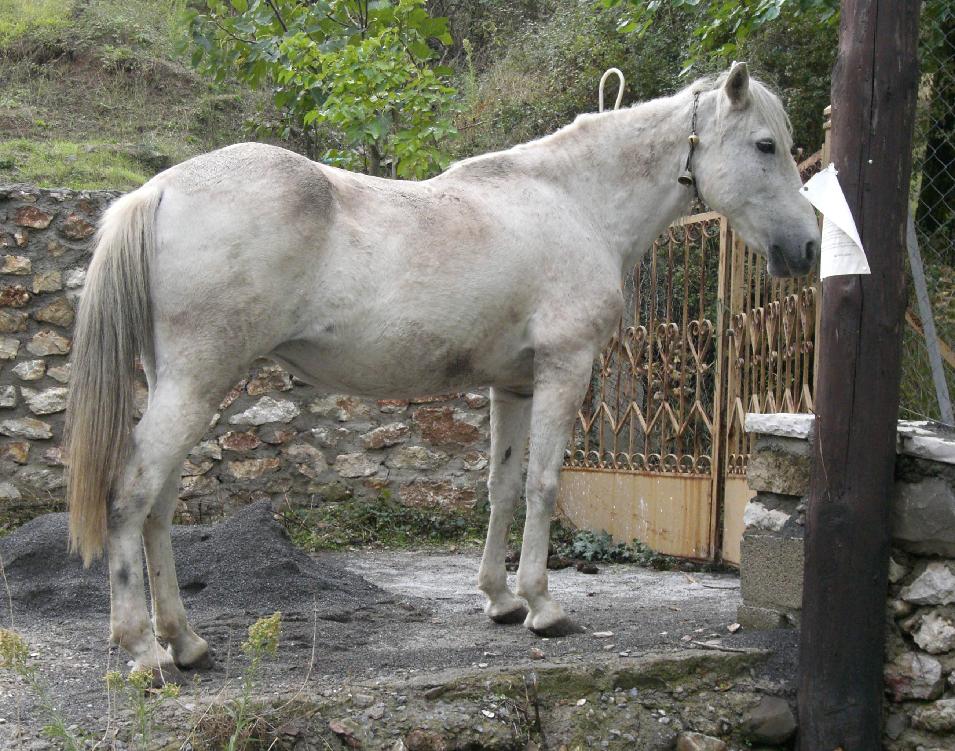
point(382, 615)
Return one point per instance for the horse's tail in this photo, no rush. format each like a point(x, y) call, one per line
point(113, 327)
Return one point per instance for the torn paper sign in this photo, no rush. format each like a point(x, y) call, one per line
point(842, 251)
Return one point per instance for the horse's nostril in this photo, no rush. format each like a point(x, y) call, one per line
point(810, 250)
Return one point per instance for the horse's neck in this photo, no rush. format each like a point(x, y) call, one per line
point(622, 168)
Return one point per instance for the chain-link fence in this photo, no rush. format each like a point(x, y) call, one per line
point(933, 200)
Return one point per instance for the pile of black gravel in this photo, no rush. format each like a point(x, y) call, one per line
point(244, 564)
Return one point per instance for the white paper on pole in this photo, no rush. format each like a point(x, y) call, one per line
point(842, 251)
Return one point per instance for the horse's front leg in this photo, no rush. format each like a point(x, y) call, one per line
point(558, 391)
point(510, 420)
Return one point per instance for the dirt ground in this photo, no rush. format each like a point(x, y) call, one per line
point(370, 618)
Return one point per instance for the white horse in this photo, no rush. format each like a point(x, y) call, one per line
point(504, 271)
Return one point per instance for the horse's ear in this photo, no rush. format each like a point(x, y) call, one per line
point(737, 84)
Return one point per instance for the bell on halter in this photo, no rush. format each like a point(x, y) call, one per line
point(686, 178)
point(693, 139)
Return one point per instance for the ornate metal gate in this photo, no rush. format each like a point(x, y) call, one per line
point(659, 451)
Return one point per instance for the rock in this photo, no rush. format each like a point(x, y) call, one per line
point(16, 451)
point(234, 393)
point(30, 370)
point(41, 478)
point(934, 586)
point(936, 632)
point(757, 516)
point(444, 426)
point(48, 342)
point(75, 278)
point(60, 373)
point(340, 408)
point(198, 485)
point(45, 402)
point(771, 721)
point(54, 456)
point(386, 435)
point(21, 237)
point(436, 494)
point(59, 312)
point(912, 675)
point(207, 450)
point(55, 248)
point(18, 265)
point(938, 717)
point(779, 465)
point(923, 516)
point(9, 346)
point(47, 281)
point(780, 424)
point(76, 227)
point(333, 492)
point(239, 441)
point(9, 492)
point(476, 401)
point(32, 217)
point(13, 296)
point(348, 730)
point(12, 321)
point(329, 437)
point(356, 465)
point(416, 457)
point(191, 468)
point(536, 654)
point(699, 742)
point(269, 378)
point(26, 427)
point(310, 460)
point(422, 739)
point(8, 396)
point(251, 469)
point(897, 571)
point(392, 406)
point(895, 725)
point(474, 461)
point(266, 410)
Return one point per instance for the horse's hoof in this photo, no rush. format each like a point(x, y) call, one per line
point(202, 662)
point(167, 674)
point(557, 629)
point(517, 615)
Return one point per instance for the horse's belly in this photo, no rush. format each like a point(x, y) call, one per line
point(402, 368)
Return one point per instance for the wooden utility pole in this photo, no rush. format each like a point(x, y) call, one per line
point(847, 529)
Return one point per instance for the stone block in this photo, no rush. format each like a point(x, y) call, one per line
point(436, 494)
point(780, 465)
point(934, 586)
point(763, 618)
point(771, 569)
point(912, 675)
point(923, 516)
point(444, 426)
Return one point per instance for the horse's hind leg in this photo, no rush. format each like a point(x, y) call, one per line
point(169, 616)
point(510, 419)
point(174, 421)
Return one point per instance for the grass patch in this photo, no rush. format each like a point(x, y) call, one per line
point(20, 18)
point(57, 164)
point(383, 523)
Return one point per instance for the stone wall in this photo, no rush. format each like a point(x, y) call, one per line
point(920, 645)
point(273, 437)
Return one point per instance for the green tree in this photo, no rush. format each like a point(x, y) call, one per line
point(357, 80)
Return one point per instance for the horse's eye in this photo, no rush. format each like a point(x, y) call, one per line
point(767, 146)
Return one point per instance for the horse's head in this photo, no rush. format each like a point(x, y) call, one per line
point(744, 170)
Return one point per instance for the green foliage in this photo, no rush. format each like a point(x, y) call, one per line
point(21, 18)
point(55, 164)
point(723, 25)
point(599, 546)
point(382, 522)
point(362, 69)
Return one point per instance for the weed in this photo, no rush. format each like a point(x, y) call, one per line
point(142, 698)
point(15, 657)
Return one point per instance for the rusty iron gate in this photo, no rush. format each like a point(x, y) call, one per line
point(659, 450)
